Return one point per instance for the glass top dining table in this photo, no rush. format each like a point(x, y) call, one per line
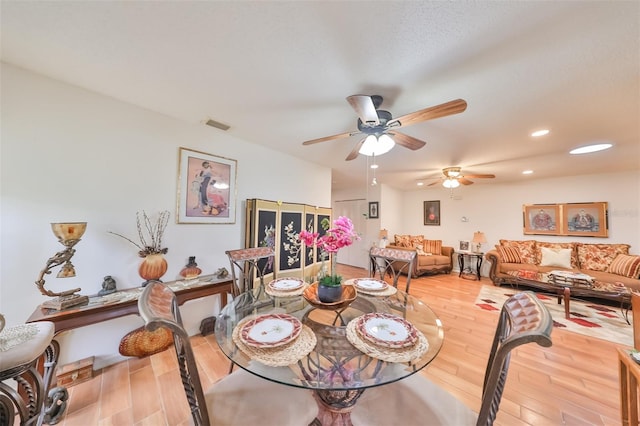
point(336, 370)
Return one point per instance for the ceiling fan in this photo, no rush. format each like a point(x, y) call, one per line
point(453, 177)
point(379, 125)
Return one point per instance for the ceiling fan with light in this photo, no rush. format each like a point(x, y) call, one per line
point(453, 177)
point(380, 127)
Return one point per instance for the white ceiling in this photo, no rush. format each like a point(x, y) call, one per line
point(278, 73)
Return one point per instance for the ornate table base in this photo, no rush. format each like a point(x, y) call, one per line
point(334, 407)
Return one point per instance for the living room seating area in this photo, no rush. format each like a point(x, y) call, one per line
point(431, 256)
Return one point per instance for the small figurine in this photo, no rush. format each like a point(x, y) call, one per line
point(108, 286)
point(222, 272)
point(191, 270)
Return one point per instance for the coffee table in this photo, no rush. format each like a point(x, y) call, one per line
point(565, 287)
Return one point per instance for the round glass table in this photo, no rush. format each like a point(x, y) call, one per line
point(336, 370)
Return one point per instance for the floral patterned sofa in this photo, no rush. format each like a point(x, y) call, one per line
point(610, 265)
point(432, 257)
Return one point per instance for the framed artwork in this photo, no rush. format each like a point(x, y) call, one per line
point(585, 219)
point(541, 219)
point(373, 210)
point(432, 213)
point(465, 245)
point(206, 188)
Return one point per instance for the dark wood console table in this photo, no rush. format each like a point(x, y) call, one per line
point(108, 307)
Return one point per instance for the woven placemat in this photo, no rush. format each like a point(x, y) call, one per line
point(292, 293)
point(280, 356)
point(386, 354)
point(389, 291)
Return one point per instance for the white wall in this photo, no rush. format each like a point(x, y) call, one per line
point(73, 155)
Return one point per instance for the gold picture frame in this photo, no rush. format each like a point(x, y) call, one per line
point(586, 219)
point(206, 188)
point(541, 219)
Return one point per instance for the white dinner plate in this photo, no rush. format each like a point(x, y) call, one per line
point(370, 284)
point(286, 284)
point(270, 331)
point(387, 330)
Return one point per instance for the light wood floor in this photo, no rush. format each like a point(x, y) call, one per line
point(574, 382)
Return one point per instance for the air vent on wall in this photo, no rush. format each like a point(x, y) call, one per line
point(216, 124)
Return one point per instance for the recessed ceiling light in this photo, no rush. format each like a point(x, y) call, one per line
point(374, 166)
point(591, 148)
point(527, 172)
point(541, 132)
point(420, 183)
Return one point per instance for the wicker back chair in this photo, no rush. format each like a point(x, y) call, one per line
point(392, 262)
point(237, 399)
point(247, 265)
point(417, 401)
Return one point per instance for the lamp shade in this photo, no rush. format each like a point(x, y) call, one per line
point(376, 145)
point(479, 237)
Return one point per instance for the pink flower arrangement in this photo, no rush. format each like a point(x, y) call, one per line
point(341, 235)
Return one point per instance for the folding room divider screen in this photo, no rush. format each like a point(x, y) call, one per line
point(277, 224)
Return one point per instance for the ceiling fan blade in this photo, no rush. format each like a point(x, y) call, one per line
point(482, 176)
point(442, 110)
point(364, 107)
point(465, 181)
point(435, 183)
point(328, 138)
point(407, 141)
point(356, 150)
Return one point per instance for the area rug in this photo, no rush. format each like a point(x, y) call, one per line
point(590, 319)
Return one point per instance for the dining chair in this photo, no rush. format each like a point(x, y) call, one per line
point(392, 262)
point(418, 401)
point(240, 398)
point(28, 356)
point(249, 264)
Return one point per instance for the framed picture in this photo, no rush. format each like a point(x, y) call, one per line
point(542, 219)
point(432, 213)
point(585, 219)
point(465, 245)
point(373, 210)
point(206, 188)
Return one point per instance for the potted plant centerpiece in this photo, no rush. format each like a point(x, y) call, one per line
point(150, 232)
point(341, 235)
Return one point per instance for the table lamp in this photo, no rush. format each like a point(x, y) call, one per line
point(69, 235)
point(384, 234)
point(478, 239)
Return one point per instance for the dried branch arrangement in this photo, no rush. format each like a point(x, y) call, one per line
point(150, 232)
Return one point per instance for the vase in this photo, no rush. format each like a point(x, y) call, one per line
point(190, 270)
point(329, 294)
point(152, 268)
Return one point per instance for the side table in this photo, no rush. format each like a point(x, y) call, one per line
point(465, 261)
point(629, 372)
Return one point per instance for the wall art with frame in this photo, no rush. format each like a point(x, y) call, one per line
point(431, 211)
point(374, 210)
point(576, 219)
point(542, 219)
point(206, 188)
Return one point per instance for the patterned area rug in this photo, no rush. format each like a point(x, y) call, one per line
point(591, 319)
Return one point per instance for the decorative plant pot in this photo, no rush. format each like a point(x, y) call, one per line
point(152, 268)
point(329, 294)
point(191, 270)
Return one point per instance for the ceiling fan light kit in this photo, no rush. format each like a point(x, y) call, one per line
point(376, 145)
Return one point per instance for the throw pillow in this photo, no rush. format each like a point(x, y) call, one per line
point(402, 240)
point(527, 249)
point(598, 257)
point(141, 342)
point(420, 251)
point(556, 257)
point(571, 246)
point(432, 246)
point(416, 240)
point(626, 265)
point(509, 254)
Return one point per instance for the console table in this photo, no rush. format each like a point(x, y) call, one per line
point(125, 302)
point(103, 308)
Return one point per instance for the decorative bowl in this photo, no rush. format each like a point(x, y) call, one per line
point(349, 294)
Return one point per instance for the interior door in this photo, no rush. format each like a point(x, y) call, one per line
point(357, 253)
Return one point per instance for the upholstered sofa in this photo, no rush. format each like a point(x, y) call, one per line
point(610, 265)
point(432, 257)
